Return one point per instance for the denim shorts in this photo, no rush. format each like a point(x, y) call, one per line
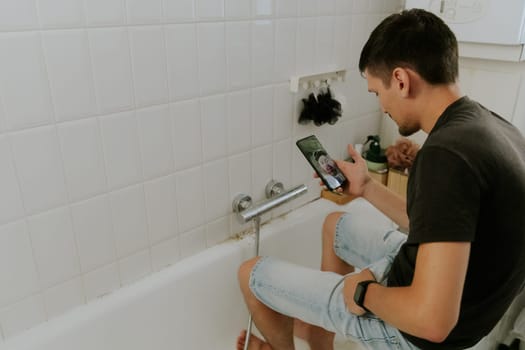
point(364, 239)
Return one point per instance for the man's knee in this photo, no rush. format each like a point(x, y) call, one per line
point(329, 226)
point(245, 271)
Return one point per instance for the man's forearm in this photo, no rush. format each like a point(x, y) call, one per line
point(388, 202)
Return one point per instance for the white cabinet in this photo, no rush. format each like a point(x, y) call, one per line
point(492, 29)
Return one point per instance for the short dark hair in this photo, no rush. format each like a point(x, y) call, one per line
point(415, 39)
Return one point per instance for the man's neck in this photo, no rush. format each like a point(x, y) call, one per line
point(435, 100)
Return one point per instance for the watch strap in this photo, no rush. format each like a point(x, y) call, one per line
point(360, 293)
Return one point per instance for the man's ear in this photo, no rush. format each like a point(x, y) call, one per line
point(401, 79)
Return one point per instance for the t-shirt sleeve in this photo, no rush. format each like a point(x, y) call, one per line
point(444, 203)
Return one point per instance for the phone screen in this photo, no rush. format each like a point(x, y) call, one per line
point(323, 165)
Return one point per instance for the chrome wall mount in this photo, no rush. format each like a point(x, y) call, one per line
point(242, 206)
point(247, 212)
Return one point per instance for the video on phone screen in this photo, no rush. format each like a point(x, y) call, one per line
point(323, 164)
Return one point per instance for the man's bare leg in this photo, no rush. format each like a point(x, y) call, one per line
point(276, 328)
point(318, 338)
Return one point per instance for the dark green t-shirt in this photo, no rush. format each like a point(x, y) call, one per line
point(467, 184)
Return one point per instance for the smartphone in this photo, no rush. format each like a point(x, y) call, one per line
point(323, 165)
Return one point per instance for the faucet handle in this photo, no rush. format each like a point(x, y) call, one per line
point(273, 189)
point(241, 202)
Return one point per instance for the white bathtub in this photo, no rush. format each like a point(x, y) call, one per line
point(193, 305)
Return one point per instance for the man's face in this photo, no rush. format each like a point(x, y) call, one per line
point(392, 103)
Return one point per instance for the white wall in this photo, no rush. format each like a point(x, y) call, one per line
point(127, 127)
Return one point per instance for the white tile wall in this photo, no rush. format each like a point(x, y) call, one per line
point(105, 12)
point(84, 169)
point(121, 149)
point(94, 232)
point(187, 133)
point(128, 126)
point(262, 52)
point(128, 211)
point(212, 58)
point(148, 55)
point(214, 127)
point(24, 78)
point(155, 141)
point(181, 46)
point(16, 251)
point(161, 208)
point(39, 167)
point(238, 54)
point(68, 62)
point(111, 68)
point(18, 14)
point(54, 246)
point(64, 297)
point(239, 121)
point(262, 116)
point(11, 206)
point(60, 13)
point(180, 10)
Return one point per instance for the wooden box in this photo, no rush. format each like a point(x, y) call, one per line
point(397, 182)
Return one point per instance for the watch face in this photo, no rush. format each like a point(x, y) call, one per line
point(359, 295)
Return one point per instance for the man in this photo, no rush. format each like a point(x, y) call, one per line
point(446, 284)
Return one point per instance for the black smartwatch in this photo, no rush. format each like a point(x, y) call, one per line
point(360, 292)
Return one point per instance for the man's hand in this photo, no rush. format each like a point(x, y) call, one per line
point(356, 173)
point(350, 285)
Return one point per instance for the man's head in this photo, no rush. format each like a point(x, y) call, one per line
point(414, 39)
point(408, 53)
